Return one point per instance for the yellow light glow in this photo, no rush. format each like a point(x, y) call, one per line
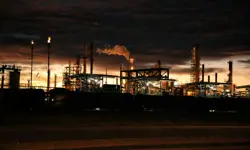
point(32, 42)
point(49, 39)
point(131, 60)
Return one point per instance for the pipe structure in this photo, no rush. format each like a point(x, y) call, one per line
point(91, 57)
point(48, 79)
point(208, 78)
point(202, 73)
point(216, 77)
point(230, 75)
point(31, 62)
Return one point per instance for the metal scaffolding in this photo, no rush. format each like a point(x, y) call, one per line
point(91, 82)
point(68, 83)
point(195, 65)
point(145, 81)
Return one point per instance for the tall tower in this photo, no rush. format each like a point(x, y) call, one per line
point(230, 74)
point(195, 65)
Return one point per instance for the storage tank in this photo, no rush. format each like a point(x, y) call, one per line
point(14, 79)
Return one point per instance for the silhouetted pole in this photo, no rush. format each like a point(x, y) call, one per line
point(2, 83)
point(91, 57)
point(55, 81)
point(31, 62)
point(48, 80)
point(106, 76)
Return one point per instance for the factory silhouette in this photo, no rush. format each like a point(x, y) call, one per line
point(136, 89)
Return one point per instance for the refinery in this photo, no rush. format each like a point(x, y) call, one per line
point(148, 81)
point(150, 87)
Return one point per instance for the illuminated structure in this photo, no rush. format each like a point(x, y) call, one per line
point(195, 65)
point(208, 88)
point(153, 81)
point(198, 87)
point(76, 78)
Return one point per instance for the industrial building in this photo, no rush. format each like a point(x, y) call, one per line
point(152, 81)
point(200, 87)
point(75, 77)
point(11, 74)
point(148, 81)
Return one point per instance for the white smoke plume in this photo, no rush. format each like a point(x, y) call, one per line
point(116, 50)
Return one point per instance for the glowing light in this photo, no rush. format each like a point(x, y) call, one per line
point(131, 60)
point(176, 83)
point(32, 42)
point(49, 39)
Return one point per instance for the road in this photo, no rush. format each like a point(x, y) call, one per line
point(126, 138)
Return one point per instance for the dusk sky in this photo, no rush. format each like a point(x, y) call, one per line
point(150, 29)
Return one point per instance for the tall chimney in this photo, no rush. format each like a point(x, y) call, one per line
point(84, 65)
point(85, 58)
point(55, 81)
point(91, 57)
point(202, 73)
point(230, 75)
point(78, 58)
point(216, 77)
point(69, 68)
point(208, 78)
point(159, 63)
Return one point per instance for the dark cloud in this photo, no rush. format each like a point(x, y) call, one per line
point(151, 30)
point(188, 70)
point(247, 61)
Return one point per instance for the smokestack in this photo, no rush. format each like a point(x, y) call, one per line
point(78, 64)
point(159, 63)
point(215, 77)
point(84, 65)
point(69, 68)
point(230, 75)
point(131, 63)
point(106, 76)
point(55, 81)
point(208, 78)
point(121, 67)
point(91, 57)
point(202, 73)
point(85, 59)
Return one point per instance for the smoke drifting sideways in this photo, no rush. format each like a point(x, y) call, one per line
point(116, 50)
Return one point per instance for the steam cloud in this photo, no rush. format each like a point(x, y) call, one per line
point(116, 50)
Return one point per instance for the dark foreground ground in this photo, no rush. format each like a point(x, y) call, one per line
point(105, 130)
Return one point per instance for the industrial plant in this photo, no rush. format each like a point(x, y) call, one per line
point(147, 81)
point(135, 89)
